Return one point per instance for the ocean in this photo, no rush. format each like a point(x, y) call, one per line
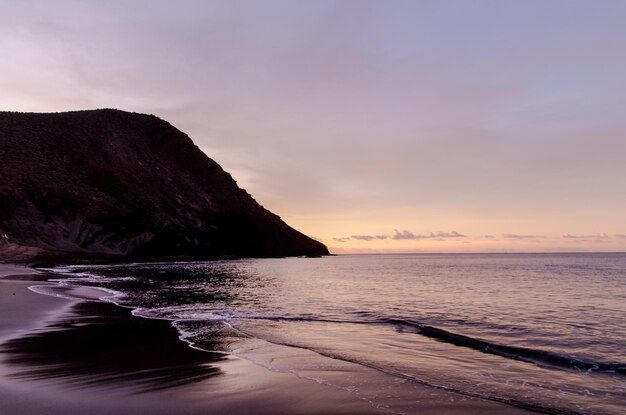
point(545, 332)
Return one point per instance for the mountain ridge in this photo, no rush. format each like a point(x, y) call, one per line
point(113, 185)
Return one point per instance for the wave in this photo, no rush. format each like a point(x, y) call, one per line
point(535, 356)
point(541, 357)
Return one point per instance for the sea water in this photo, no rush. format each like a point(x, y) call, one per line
point(540, 331)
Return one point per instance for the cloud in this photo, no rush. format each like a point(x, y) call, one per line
point(600, 235)
point(432, 235)
point(453, 234)
point(620, 235)
point(489, 237)
point(401, 235)
point(369, 237)
point(362, 237)
point(342, 239)
point(397, 235)
point(516, 236)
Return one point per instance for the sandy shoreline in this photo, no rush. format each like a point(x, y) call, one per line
point(69, 357)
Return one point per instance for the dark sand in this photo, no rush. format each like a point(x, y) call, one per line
point(68, 357)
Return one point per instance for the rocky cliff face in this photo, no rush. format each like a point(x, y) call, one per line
point(108, 184)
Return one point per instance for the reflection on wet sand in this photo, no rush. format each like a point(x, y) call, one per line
point(102, 345)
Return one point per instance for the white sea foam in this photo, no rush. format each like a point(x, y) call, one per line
point(76, 293)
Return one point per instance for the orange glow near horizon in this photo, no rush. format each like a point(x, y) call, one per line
point(341, 238)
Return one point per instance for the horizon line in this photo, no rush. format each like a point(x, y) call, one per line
point(480, 253)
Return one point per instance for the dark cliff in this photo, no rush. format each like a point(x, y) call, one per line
point(107, 184)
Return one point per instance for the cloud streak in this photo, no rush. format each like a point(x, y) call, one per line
point(341, 239)
point(401, 235)
point(600, 235)
point(397, 235)
point(517, 236)
point(369, 237)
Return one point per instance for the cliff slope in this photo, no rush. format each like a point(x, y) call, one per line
point(108, 184)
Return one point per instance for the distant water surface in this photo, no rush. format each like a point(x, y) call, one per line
point(542, 331)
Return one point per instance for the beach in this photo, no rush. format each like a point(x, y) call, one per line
point(60, 356)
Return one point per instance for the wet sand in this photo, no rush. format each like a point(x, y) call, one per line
point(84, 357)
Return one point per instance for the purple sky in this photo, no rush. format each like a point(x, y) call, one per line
point(385, 126)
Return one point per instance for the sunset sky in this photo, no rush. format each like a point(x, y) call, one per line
point(385, 126)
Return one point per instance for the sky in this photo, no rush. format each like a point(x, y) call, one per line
point(372, 126)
